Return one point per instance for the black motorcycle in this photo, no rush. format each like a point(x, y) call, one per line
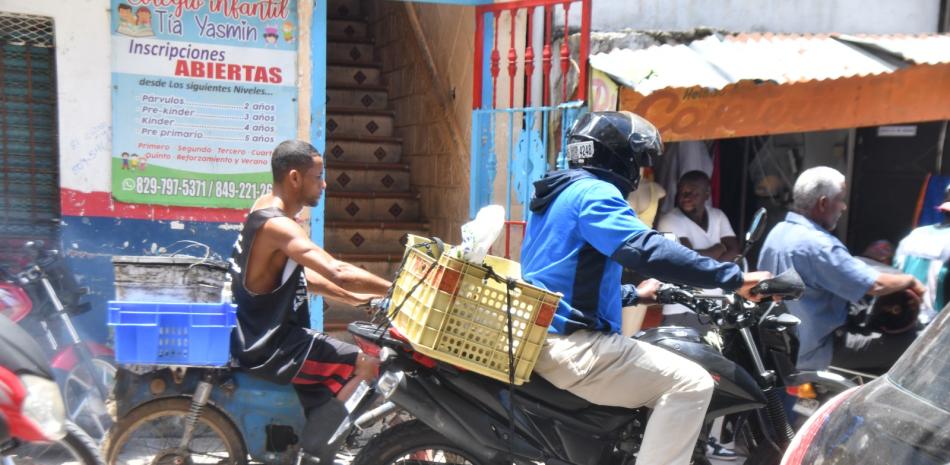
point(464, 418)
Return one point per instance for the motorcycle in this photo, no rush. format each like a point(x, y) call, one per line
point(176, 415)
point(33, 425)
point(43, 298)
point(462, 417)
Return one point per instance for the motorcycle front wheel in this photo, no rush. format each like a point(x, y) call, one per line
point(152, 432)
point(82, 397)
point(413, 442)
point(76, 448)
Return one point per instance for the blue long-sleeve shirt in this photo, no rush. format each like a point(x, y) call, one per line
point(581, 233)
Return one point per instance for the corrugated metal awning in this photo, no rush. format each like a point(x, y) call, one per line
point(683, 87)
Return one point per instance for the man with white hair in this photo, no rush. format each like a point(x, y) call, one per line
point(832, 276)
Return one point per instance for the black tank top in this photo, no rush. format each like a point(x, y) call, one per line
point(272, 337)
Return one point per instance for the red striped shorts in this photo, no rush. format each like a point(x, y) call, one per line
point(328, 366)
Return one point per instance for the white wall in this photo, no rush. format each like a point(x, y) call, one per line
point(83, 81)
point(789, 16)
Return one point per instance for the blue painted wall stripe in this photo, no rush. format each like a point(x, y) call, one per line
point(318, 137)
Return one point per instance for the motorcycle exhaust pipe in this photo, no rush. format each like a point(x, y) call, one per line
point(369, 418)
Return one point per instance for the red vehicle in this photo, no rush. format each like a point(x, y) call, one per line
point(33, 424)
point(900, 418)
point(43, 298)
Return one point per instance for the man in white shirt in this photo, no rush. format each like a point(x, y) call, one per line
point(703, 229)
point(707, 231)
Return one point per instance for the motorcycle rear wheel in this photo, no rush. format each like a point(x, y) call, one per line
point(414, 442)
point(152, 432)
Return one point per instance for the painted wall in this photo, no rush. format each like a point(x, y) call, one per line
point(800, 16)
point(438, 156)
point(94, 227)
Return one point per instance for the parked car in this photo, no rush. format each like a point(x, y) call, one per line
point(901, 418)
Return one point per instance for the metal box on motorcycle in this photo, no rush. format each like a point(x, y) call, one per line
point(169, 279)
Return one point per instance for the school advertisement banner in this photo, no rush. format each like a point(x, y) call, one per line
point(203, 90)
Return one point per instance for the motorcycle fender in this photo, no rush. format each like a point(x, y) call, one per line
point(66, 359)
point(458, 420)
point(837, 382)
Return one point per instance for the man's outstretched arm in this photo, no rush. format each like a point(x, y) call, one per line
point(317, 284)
point(291, 239)
point(653, 255)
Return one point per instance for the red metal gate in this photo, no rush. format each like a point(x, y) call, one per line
point(525, 131)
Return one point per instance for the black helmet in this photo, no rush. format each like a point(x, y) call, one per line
point(619, 142)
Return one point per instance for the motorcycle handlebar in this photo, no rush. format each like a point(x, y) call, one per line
point(787, 285)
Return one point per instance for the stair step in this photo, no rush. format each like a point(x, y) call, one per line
point(359, 123)
point(350, 52)
point(368, 237)
point(356, 76)
point(350, 28)
point(366, 99)
point(385, 267)
point(363, 149)
point(374, 64)
point(373, 195)
point(334, 38)
point(380, 177)
point(344, 9)
point(336, 316)
point(372, 206)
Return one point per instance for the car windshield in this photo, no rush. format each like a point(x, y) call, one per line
point(925, 368)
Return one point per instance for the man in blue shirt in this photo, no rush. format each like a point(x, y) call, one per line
point(581, 233)
point(832, 276)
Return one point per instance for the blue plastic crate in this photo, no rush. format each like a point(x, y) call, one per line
point(152, 333)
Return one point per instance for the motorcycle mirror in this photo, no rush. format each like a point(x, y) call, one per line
point(757, 228)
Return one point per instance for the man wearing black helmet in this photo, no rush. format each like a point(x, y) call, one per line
point(581, 233)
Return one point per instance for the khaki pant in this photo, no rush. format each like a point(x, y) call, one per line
point(609, 369)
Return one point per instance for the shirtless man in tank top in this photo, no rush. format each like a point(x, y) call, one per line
point(273, 265)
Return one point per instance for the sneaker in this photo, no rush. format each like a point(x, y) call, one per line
point(718, 452)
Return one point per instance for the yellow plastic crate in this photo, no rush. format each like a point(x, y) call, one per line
point(457, 313)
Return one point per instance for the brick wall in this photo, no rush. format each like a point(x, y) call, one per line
point(425, 105)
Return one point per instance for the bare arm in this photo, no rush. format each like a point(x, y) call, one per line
point(887, 283)
point(289, 238)
point(317, 284)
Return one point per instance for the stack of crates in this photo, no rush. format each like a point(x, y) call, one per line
point(168, 311)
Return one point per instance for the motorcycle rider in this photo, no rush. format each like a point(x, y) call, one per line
point(581, 233)
point(273, 265)
point(832, 276)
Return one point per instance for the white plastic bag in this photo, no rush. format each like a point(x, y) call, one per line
point(479, 234)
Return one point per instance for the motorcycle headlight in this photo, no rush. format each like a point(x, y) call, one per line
point(44, 406)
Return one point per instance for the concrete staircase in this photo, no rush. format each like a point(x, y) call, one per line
point(370, 205)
